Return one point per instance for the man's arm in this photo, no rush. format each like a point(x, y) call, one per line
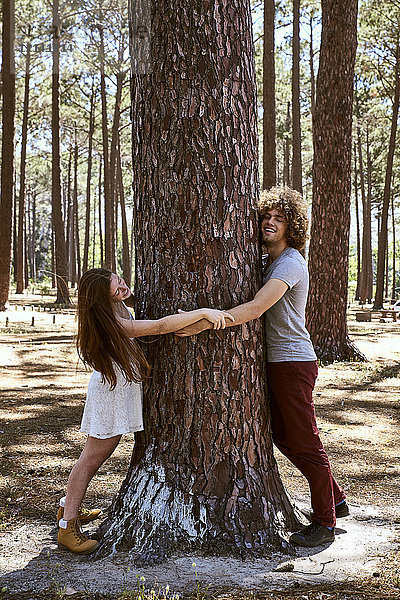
point(266, 297)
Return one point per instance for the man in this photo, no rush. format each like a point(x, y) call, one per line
point(292, 364)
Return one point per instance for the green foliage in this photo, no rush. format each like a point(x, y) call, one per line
point(79, 74)
point(81, 24)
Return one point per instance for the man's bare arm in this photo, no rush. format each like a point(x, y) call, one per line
point(266, 297)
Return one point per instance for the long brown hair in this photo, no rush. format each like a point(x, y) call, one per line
point(101, 342)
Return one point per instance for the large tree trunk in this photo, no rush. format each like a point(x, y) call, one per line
point(202, 474)
point(58, 224)
point(269, 116)
point(21, 266)
point(330, 227)
point(383, 234)
point(7, 148)
point(296, 126)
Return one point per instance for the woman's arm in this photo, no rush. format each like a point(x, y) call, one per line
point(217, 319)
point(266, 297)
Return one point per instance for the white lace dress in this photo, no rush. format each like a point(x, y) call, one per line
point(112, 412)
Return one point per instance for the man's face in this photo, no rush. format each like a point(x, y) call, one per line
point(274, 227)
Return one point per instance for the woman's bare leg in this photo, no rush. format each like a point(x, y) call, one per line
point(95, 452)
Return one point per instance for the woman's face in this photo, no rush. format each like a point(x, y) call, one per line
point(118, 289)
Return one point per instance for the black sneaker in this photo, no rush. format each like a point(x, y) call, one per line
point(342, 510)
point(313, 535)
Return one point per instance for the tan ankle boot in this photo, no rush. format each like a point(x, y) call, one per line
point(85, 515)
point(71, 538)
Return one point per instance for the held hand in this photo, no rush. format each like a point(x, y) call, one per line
point(217, 317)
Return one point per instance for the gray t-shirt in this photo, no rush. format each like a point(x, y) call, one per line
point(287, 336)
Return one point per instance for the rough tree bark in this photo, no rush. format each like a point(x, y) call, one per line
point(330, 227)
point(383, 234)
point(269, 116)
point(7, 148)
point(20, 266)
point(58, 225)
point(202, 474)
point(296, 126)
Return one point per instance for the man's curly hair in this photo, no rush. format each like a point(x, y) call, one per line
point(292, 205)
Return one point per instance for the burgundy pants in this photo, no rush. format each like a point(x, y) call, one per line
point(295, 433)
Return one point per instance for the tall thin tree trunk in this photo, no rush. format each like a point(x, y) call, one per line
point(26, 263)
point(76, 214)
point(126, 259)
point(394, 252)
point(366, 256)
point(94, 218)
point(32, 248)
point(387, 270)
point(113, 160)
point(269, 114)
point(89, 178)
point(100, 219)
point(53, 260)
point(330, 226)
point(58, 225)
point(286, 158)
point(312, 71)
point(383, 234)
point(14, 227)
point(202, 474)
point(109, 260)
point(369, 208)
point(296, 126)
point(358, 238)
point(21, 204)
point(69, 228)
point(7, 148)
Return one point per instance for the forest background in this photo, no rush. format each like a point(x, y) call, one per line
point(95, 152)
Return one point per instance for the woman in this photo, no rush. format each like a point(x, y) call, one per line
point(105, 342)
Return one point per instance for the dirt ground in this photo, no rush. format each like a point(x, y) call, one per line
point(42, 393)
